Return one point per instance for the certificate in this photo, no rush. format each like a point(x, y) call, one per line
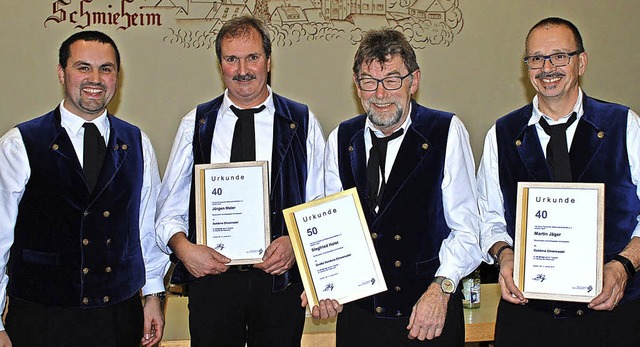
point(559, 240)
point(333, 249)
point(232, 209)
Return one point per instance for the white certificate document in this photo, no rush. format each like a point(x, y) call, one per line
point(232, 209)
point(333, 249)
point(559, 240)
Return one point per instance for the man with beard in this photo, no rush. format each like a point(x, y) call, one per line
point(234, 305)
point(599, 142)
point(415, 175)
point(78, 188)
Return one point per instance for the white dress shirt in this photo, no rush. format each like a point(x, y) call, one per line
point(490, 200)
point(173, 201)
point(459, 254)
point(14, 175)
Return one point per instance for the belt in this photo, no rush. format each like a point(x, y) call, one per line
point(241, 268)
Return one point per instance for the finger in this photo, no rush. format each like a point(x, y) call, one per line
point(337, 306)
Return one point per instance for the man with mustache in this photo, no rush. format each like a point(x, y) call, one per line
point(234, 305)
point(415, 175)
point(78, 188)
point(600, 142)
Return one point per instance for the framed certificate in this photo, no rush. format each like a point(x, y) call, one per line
point(559, 240)
point(232, 209)
point(333, 249)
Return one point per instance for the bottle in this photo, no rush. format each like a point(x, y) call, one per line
point(471, 290)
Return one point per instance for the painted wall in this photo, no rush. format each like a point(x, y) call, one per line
point(476, 71)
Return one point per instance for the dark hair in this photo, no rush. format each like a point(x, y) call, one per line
point(555, 21)
point(89, 35)
point(239, 27)
point(381, 45)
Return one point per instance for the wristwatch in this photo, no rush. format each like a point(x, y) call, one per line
point(160, 295)
point(445, 284)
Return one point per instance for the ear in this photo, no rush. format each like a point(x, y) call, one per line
point(269, 64)
point(355, 82)
point(583, 60)
point(416, 82)
point(60, 74)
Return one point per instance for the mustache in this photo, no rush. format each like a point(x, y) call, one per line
point(93, 85)
point(244, 78)
point(555, 74)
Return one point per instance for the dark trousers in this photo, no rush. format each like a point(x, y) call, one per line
point(239, 307)
point(119, 325)
point(357, 327)
point(533, 325)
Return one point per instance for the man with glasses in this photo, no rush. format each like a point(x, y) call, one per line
point(414, 172)
point(598, 142)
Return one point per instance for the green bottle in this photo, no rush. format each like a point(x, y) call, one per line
point(471, 290)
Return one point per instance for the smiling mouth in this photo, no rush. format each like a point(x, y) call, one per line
point(549, 78)
point(382, 105)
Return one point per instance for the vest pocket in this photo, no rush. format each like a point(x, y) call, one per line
point(38, 257)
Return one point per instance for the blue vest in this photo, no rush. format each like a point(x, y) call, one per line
point(74, 247)
point(409, 228)
point(598, 154)
point(288, 165)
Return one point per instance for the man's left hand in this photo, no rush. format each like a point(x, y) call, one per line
point(429, 314)
point(614, 281)
point(153, 321)
point(278, 257)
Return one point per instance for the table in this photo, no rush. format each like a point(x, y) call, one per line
point(479, 322)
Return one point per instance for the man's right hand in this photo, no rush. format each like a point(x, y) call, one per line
point(4, 339)
point(510, 291)
point(199, 260)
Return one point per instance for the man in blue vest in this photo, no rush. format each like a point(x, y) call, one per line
point(78, 188)
point(418, 197)
point(234, 305)
point(600, 142)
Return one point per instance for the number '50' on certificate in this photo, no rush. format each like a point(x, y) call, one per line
point(333, 249)
point(232, 209)
point(559, 240)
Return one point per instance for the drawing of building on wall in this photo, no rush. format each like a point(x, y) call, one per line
point(424, 22)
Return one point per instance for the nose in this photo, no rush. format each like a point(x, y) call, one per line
point(547, 65)
point(380, 91)
point(243, 67)
point(94, 76)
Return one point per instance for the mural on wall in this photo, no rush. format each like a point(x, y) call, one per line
point(194, 23)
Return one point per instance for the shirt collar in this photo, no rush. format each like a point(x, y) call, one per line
point(537, 114)
point(369, 126)
point(74, 123)
point(226, 103)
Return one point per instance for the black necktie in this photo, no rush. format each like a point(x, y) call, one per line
point(94, 151)
point(243, 145)
point(375, 167)
point(557, 151)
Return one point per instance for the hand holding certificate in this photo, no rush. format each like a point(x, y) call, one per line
point(232, 209)
point(559, 240)
point(333, 249)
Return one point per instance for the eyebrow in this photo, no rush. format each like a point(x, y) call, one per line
point(389, 74)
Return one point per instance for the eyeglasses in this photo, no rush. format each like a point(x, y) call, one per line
point(535, 62)
point(370, 84)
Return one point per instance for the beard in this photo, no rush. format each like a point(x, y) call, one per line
point(382, 121)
